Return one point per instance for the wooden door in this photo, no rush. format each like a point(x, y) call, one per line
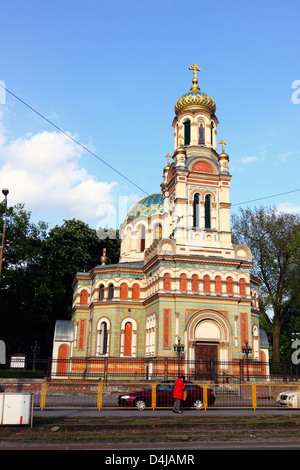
point(206, 356)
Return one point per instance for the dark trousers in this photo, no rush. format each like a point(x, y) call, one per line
point(177, 404)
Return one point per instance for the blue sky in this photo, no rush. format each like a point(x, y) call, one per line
point(109, 73)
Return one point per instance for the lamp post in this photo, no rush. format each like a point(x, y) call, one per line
point(178, 347)
point(247, 350)
point(5, 192)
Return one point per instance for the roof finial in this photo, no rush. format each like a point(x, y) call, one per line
point(103, 258)
point(195, 86)
point(223, 143)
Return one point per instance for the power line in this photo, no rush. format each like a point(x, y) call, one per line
point(72, 138)
point(266, 197)
point(110, 166)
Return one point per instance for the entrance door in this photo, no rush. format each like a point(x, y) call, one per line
point(205, 361)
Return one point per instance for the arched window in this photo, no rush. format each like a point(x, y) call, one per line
point(229, 285)
point(167, 282)
point(195, 283)
point(187, 132)
point(183, 282)
point(242, 285)
point(207, 211)
point(158, 232)
point(110, 291)
point(102, 338)
point(128, 339)
point(83, 297)
point(135, 292)
point(212, 133)
point(218, 285)
point(206, 284)
point(201, 133)
point(142, 234)
point(196, 211)
point(101, 292)
point(124, 291)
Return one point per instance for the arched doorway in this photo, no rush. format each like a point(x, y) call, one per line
point(209, 344)
point(63, 359)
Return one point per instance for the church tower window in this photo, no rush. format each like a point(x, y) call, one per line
point(212, 133)
point(142, 233)
point(110, 292)
point(101, 292)
point(207, 211)
point(201, 133)
point(196, 211)
point(187, 132)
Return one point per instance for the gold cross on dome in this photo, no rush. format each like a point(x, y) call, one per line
point(195, 67)
point(223, 143)
point(168, 156)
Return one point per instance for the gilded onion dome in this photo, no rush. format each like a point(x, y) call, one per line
point(147, 206)
point(195, 98)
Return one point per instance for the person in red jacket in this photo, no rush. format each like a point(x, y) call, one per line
point(178, 394)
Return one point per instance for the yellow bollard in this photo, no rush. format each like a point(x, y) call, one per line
point(99, 396)
point(153, 398)
point(205, 397)
point(254, 402)
point(43, 401)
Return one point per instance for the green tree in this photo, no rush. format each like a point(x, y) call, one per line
point(22, 254)
point(274, 241)
point(37, 273)
point(70, 248)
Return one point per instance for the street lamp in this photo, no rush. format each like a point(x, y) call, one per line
point(247, 350)
point(5, 192)
point(178, 347)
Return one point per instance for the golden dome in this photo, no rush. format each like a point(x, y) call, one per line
point(195, 98)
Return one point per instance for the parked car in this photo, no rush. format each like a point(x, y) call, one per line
point(289, 398)
point(164, 396)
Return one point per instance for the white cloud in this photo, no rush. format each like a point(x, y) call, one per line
point(247, 160)
point(289, 208)
point(43, 171)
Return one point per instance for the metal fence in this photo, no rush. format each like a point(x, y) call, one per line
point(155, 396)
point(154, 368)
point(164, 368)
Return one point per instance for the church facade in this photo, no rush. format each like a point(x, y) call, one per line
point(179, 276)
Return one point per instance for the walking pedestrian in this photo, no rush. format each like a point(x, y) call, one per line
point(179, 388)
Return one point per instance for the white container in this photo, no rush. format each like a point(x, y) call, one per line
point(16, 408)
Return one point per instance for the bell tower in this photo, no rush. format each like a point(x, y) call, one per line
point(196, 184)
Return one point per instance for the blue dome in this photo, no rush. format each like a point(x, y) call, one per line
point(147, 206)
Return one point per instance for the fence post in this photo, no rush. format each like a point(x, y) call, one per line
point(99, 396)
point(43, 400)
point(205, 397)
point(254, 401)
point(153, 404)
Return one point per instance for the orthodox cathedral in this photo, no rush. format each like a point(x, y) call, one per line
point(179, 276)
